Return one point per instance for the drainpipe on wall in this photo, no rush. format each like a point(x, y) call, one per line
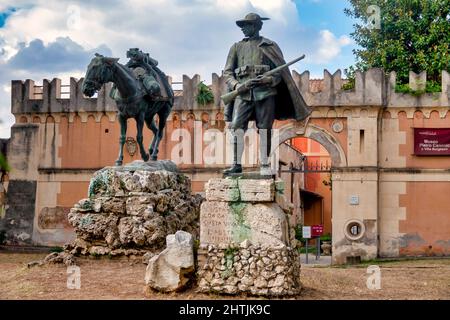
point(291, 167)
point(379, 141)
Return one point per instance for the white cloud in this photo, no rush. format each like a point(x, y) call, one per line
point(186, 37)
point(329, 46)
point(280, 10)
point(6, 118)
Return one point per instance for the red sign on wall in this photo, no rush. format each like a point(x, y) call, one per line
point(317, 230)
point(434, 142)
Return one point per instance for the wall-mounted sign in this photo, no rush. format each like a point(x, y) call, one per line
point(306, 232)
point(431, 142)
point(317, 230)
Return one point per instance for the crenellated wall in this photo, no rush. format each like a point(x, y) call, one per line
point(397, 198)
point(372, 88)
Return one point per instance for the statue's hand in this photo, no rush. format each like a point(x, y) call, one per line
point(264, 80)
point(247, 85)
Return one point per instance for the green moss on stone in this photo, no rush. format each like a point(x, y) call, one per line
point(235, 194)
point(101, 182)
point(181, 178)
point(86, 220)
point(279, 187)
point(87, 205)
point(229, 261)
point(240, 230)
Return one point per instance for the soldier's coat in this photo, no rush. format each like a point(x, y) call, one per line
point(289, 101)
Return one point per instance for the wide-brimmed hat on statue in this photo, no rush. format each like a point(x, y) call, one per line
point(250, 18)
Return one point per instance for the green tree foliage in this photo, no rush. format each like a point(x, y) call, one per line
point(3, 164)
point(413, 35)
point(204, 94)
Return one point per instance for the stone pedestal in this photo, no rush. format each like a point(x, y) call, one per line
point(245, 239)
point(132, 208)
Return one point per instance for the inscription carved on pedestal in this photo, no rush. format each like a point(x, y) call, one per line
point(224, 223)
point(215, 225)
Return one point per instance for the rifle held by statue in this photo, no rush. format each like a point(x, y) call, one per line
point(230, 96)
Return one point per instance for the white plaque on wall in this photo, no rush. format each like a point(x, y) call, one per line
point(354, 200)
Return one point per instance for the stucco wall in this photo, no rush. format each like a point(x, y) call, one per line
point(414, 214)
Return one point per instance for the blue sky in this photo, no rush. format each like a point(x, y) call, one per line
point(328, 14)
point(49, 38)
point(5, 14)
point(325, 14)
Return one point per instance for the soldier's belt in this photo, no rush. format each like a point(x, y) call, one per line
point(248, 71)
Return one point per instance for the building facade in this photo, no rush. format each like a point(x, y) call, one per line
point(386, 200)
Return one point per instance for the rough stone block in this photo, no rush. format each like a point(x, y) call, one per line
point(222, 190)
point(139, 205)
point(256, 190)
point(172, 268)
point(223, 223)
point(223, 195)
point(218, 183)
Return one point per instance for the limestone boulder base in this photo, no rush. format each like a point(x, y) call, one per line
point(132, 208)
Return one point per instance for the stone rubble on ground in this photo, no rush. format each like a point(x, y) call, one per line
point(55, 258)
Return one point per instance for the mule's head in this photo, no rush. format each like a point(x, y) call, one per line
point(98, 72)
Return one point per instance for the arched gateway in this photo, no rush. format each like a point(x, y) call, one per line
point(295, 129)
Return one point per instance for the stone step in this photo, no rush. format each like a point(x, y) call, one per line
point(257, 190)
point(243, 190)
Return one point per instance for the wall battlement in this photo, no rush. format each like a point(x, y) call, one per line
point(372, 88)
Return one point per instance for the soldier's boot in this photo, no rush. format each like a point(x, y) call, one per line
point(236, 168)
point(265, 145)
point(237, 154)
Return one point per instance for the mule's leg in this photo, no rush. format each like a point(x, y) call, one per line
point(151, 125)
point(123, 132)
point(139, 138)
point(163, 114)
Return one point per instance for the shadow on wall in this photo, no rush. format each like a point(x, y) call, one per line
point(4, 168)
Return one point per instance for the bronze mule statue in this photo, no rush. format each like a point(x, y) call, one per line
point(140, 93)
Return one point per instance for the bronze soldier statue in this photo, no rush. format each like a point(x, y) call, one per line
point(261, 98)
point(141, 90)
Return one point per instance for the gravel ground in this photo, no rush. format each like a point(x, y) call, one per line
point(105, 279)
